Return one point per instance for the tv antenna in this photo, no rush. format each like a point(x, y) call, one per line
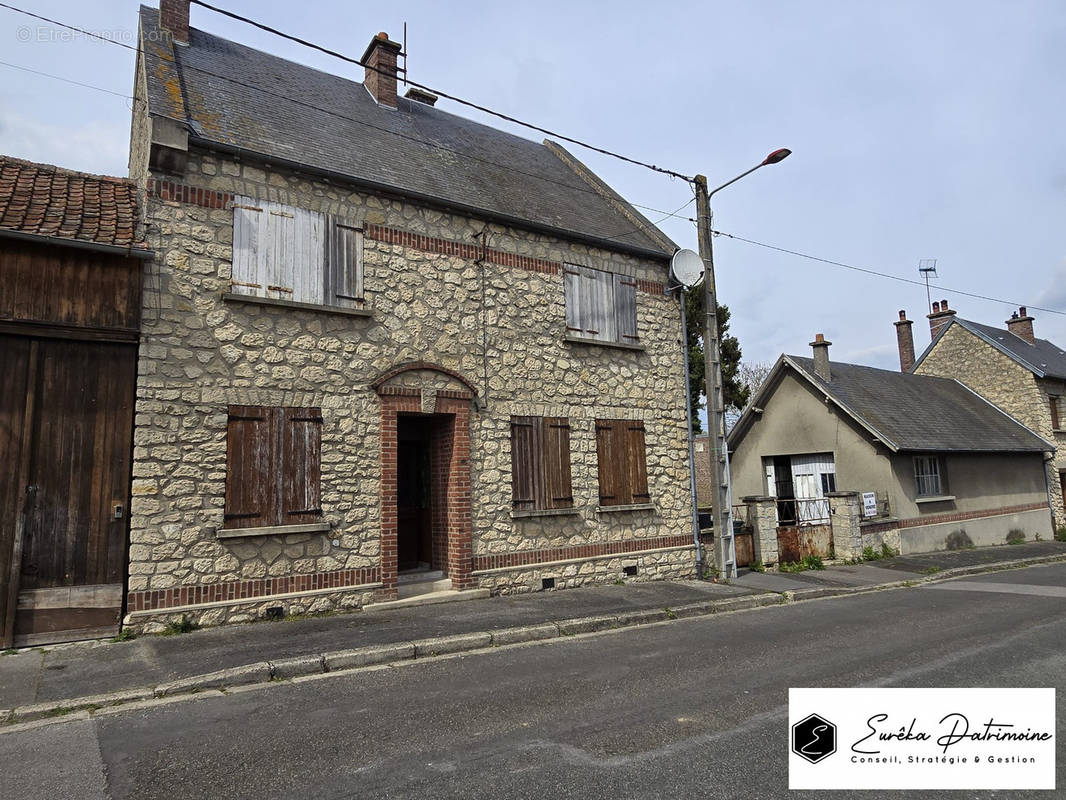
point(927, 269)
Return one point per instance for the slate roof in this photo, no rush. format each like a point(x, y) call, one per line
point(1045, 359)
point(911, 413)
point(417, 150)
point(922, 413)
point(48, 201)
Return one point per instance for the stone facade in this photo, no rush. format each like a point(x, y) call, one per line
point(961, 355)
point(481, 301)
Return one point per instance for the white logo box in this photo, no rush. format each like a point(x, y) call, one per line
point(924, 739)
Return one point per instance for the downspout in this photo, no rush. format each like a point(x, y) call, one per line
point(483, 401)
point(688, 427)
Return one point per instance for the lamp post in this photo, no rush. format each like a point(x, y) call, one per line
point(724, 550)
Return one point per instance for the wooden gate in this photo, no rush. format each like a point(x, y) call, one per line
point(66, 419)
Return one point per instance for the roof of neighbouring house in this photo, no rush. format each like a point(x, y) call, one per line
point(906, 412)
point(232, 95)
point(40, 200)
point(1045, 359)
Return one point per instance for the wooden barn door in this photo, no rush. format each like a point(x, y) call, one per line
point(66, 422)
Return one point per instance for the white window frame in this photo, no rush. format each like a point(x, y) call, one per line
point(928, 475)
point(286, 253)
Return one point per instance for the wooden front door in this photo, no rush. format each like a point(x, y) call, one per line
point(66, 422)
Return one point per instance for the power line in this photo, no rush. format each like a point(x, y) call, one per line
point(879, 274)
point(439, 93)
point(277, 95)
point(68, 80)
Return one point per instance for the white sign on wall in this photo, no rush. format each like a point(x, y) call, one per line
point(869, 504)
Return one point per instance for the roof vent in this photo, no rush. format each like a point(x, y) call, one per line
point(421, 96)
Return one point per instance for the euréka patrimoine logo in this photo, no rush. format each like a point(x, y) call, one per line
point(814, 738)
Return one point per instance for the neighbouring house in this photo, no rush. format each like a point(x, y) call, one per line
point(71, 257)
point(834, 457)
point(387, 350)
point(1023, 375)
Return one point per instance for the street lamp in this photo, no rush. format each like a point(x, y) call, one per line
point(724, 551)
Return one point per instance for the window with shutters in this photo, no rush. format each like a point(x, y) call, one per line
point(540, 464)
point(287, 253)
point(622, 466)
point(1053, 405)
point(600, 306)
point(272, 467)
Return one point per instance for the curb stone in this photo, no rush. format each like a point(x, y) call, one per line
point(282, 669)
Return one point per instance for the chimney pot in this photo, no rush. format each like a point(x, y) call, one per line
point(943, 305)
point(905, 342)
point(940, 318)
point(1021, 311)
point(380, 60)
point(936, 307)
point(821, 357)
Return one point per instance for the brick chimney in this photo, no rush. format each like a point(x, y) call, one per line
point(905, 341)
point(1021, 325)
point(174, 18)
point(381, 55)
point(821, 357)
point(940, 318)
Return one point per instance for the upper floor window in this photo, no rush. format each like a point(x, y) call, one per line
point(288, 253)
point(600, 306)
point(928, 476)
point(1053, 404)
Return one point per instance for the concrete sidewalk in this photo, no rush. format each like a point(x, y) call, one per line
point(39, 682)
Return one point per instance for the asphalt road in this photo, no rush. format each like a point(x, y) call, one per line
point(691, 708)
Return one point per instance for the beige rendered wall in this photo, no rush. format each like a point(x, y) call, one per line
point(795, 420)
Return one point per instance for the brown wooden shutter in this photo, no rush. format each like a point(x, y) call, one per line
point(625, 300)
point(251, 465)
point(526, 485)
point(558, 492)
point(299, 473)
point(636, 464)
point(610, 450)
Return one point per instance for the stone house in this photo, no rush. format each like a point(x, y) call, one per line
point(388, 351)
point(1023, 375)
point(940, 467)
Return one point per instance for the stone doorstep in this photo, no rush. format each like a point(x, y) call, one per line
point(298, 666)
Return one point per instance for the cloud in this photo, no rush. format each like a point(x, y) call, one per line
point(1054, 296)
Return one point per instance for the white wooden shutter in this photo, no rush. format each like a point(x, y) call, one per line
point(306, 271)
point(343, 285)
point(625, 304)
point(246, 276)
point(279, 246)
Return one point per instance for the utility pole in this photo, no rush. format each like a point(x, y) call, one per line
point(724, 550)
point(725, 557)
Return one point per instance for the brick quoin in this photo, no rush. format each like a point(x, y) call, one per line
point(452, 529)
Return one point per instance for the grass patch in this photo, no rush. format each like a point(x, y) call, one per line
point(176, 627)
point(11, 651)
point(124, 635)
point(1015, 536)
point(930, 570)
point(757, 566)
point(1060, 533)
point(670, 613)
point(808, 563)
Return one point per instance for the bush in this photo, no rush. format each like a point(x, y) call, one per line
point(176, 627)
point(869, 554)
point(1060, 533)
point(1015, 536)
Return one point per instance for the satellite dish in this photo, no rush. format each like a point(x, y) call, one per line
point(687, 267)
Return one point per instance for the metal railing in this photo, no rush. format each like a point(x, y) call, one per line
point(803, 512)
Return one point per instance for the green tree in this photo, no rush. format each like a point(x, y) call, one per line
point(734, 392)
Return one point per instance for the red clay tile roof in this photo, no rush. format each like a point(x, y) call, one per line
point(59, 203)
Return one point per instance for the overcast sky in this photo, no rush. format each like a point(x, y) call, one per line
point(919, 130)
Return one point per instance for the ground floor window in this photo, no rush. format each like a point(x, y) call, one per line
point(273, 462)
point(540, 463)
point(623, 470)
point(927, 476)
